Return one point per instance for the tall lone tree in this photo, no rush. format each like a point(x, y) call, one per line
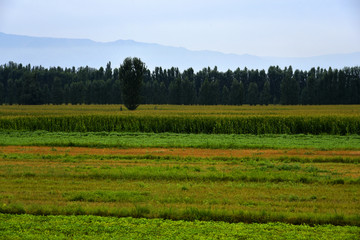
point(131, 74)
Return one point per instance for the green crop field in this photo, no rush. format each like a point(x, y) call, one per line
point(179, 140)
point(219, 189)
point(92, 227)
point(339, 120)
point(184, 171)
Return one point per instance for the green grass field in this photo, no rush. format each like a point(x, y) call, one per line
point(218, 189)
point(65, 170)
point(139, 139)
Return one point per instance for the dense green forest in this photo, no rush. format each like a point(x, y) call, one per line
point(21, 84)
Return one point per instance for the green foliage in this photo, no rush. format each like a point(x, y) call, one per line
point(92, 227)
point(107, 196)
point(208, 93)
point(265, 96)
point(20, 84)
point(289, 89)
point(131, 75)
point(253, 94)
point(214, 141)
point(179, 124)
point(236, 93)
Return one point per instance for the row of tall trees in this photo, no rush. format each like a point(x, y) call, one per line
point(21, 84)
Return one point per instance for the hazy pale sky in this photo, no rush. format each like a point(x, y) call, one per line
point(291, 28)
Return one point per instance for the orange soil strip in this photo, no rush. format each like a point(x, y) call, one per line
point(182, 152)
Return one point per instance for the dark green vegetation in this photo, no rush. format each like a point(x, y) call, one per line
point(92, 227)
point(36, 85)
point(139, 140)
point(209, 125)
point(131, 75)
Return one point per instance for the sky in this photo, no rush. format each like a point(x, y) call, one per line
point(280, 28)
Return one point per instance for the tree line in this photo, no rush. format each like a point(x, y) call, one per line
point(20, 84)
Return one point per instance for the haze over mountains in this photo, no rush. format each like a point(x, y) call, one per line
point(49, 52)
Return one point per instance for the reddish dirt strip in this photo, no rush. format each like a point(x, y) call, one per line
point(181, 152)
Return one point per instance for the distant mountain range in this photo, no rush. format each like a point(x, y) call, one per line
point(63, 52)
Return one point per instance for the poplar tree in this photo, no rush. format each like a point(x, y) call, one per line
point(131, 75)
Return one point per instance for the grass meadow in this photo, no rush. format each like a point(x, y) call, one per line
point(179, 140)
